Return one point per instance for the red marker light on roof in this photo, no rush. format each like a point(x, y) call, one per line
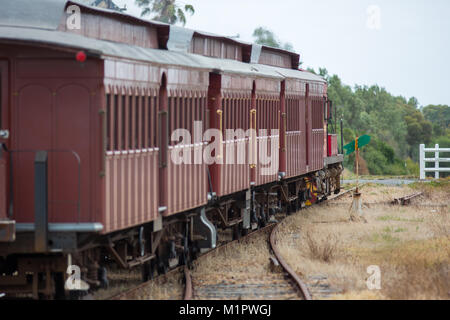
point(81, 56)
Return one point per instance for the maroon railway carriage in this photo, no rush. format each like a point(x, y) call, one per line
point(87, 174)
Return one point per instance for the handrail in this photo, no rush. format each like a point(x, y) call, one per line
point(253, 146)
point(220, 114)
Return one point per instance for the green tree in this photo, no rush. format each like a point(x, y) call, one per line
point(419, 129)
point(395, 123)
point(266, 37)
point(439, 115)
point(167, 11)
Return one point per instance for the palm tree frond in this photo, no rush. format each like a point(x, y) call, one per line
point(142, 3)
point(181, 16)
point(145, 11)
point(167, 11)
point(189, 8)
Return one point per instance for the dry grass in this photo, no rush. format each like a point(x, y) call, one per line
point(119, 281)
point(247, 257)
point(410, 244)
point(170, 288)
point(323, 249)
point(163, 288)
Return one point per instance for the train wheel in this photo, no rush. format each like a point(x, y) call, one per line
point(272, 212)
point(262, 218)
point(60, 293)
point(237, 231)
point(253, 217)
point(297, 205)
point(185, 258)
point(147, 270)
point(103, 278)
point(288, 209)
point(163, 267)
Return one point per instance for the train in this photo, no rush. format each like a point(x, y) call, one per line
point(134, 142)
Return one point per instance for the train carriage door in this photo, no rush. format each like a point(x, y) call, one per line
point(70, 159)
point(163, 142)
point(4, 138)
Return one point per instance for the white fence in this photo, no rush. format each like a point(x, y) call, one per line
point(436, 161)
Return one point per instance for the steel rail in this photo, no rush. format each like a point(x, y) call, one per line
point(188, 292)
point(273, 244)
point(132, 290)
point(406, 199)
point(300, 284)
point(189, 289)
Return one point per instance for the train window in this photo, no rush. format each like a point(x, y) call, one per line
point(1, 97)
point(237, 113)
point(172, 116)
point(293, 117)
point(224, 111)
point(144, 127)
point(108, 122)
point(231, 109)
point(266, 124)
point(116, 122)
point(123, 122)
point(317, 112)
point(192, 112)
point(226, 115)
point(187, 108)
point(151, 116)
point(155, 126)
point(136, 122)
point(195, 113)
point(266, 114)
point(180, 115)
point(130, 122)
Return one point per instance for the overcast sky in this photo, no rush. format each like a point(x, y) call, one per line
point(402, 45)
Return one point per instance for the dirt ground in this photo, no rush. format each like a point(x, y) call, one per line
point(410, 245)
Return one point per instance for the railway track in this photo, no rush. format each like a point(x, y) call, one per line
point(238, 285)
point(283, 283)
point(402, 201)
point(406, 199)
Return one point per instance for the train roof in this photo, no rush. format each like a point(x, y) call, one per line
point(37, 22)
point(46, 14)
